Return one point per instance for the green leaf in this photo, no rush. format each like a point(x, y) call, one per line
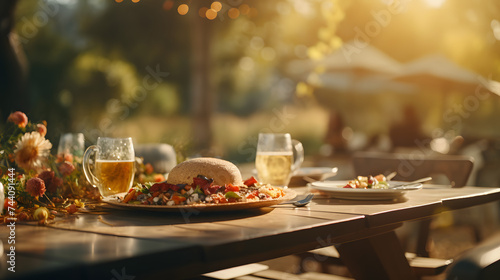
point(198, 190)
point(231, 194)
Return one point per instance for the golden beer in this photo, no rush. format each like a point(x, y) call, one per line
point(274, 167)
point(114, 176)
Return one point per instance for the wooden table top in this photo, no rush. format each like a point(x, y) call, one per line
point(182, 245)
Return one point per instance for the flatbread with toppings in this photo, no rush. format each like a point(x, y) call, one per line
point(203, 181)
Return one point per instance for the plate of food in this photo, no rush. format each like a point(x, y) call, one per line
point(202, 184)
point(365, 188)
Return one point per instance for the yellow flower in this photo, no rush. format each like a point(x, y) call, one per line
point(32, 151)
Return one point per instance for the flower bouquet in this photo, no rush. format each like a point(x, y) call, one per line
point(37, 184)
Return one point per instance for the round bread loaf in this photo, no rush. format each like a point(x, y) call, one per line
point(221, 171)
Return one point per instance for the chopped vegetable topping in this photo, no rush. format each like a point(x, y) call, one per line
point(201, 191)
point(370, 182)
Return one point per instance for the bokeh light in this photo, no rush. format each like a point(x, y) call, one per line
point(183, 9)
point(268, 53)
point(118, 1)
point(233, 13)
point(257, 43)
point(202, 12)
point(244, 9)
point(168, 5)
point(253, 12)
point(247, 63)
point(216, 6)
point(211, 14)
point(135, 1)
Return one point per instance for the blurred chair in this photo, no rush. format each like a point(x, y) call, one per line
point(479, 263)
point(414, 166)
point(161, 156)
point(410, 167)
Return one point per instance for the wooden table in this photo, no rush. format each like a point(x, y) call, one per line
point(148, 245)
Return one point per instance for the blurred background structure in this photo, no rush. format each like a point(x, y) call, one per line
point(207, 76)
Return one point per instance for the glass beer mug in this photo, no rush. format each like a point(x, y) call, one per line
point(113, 165)
point(275, 162)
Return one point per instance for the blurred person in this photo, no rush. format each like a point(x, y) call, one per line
point(334, 137)
point(408, 131)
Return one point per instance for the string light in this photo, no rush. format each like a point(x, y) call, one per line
point(209, 12)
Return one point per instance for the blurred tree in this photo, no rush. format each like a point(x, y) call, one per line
point(147, 36)
point(48, 55)
point(13, 65)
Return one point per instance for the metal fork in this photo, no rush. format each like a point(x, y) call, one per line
point(300, 203)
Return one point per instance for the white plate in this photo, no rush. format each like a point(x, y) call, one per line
point(307, 171)
point(336, 189)
point(289, 194)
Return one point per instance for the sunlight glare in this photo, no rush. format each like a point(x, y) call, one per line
point(495, 26)
point(303, 7)
point(435, 3)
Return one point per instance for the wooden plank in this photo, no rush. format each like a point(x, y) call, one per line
point(30, 267)
point(430, 200)
point(321, 276)
point(470, 196)
point(100, 256)
point(378, 213)
point(188, 244)
point(287, 242)
point(308, 212)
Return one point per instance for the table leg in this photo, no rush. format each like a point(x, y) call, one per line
point(377, 257)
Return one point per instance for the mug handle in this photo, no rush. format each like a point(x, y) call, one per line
point(94, 181)
point(298, 150)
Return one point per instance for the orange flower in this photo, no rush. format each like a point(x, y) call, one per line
point(35, 187)
point(32, 151)
point(42, 129)
point(141, 178)
point(19, 118)
point(64, 157)
point(71, 209)
point(159, 178)
point(66, 168)
point(148, 168)
point(23, 216)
